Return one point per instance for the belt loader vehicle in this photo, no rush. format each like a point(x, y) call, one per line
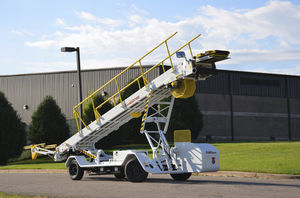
point(180, 161)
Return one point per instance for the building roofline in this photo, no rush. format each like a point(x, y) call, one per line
point(72, 71)
point(259, 73)
point(146, 66)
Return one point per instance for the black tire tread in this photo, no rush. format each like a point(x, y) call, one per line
point(134, 171)
point(77, 172)
point(181, 176)
point(120, 175)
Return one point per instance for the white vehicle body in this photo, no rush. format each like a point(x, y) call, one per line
point(190, 157)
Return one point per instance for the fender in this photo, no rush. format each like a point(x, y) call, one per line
point(197, 157)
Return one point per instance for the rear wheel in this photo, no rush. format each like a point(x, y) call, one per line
point(134, 171)
point(181, 176)
point(120, 175)
point(75, 171)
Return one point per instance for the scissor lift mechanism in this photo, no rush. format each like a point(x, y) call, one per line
point(155, 101)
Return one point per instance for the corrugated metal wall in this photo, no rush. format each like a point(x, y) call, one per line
point(294, 87)
point(30, 89)
point(248, 105)
point(250, 84)
point(217, 84)
point(258, 85)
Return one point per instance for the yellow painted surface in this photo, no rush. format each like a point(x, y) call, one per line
point(182, 135)
point(186, 89)
point(34, 155)
point(136, 114)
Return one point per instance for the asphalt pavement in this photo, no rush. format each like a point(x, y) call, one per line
point(60, 185)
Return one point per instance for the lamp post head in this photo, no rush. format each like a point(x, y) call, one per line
point(69, 49)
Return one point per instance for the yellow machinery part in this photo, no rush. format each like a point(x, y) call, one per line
point(34, 155)
point(42, 145)
point(182, 135)
point(51, 146)
point(136, 114)
point(174, 84)
point(186, 89)
point(214, 53)
point(35, 145)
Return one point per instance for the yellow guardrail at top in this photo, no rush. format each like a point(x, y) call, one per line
point(115, 80)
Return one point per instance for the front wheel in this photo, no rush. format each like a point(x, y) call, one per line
point(134, 171)
point(75, 171)
point(181, 176)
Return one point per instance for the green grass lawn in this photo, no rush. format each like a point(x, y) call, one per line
point(40, 163)
point(4, 195)
point(262, 157)
point(266, 157)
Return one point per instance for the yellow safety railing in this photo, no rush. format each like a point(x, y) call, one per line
point(115, 80)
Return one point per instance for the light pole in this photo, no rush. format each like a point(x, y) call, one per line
point(73, 49)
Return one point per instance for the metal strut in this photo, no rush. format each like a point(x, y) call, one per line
point(155, 125)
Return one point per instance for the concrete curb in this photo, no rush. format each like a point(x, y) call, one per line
point(248, 174)
point(216, 174)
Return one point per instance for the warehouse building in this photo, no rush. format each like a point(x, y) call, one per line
point(235, 105)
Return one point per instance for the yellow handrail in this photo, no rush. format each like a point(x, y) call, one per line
point(171, 54)
point(124, 71)
point(97, 115)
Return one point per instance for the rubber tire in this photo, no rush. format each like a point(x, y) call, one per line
point(181, 176)
point(75, 171)
point(134, 171)
point(120, 175)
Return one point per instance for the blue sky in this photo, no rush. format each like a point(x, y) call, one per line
point(263, 36)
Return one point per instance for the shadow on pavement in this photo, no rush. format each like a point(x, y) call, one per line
point(194, 181)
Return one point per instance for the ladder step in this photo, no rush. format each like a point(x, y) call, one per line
point(156, 119)
point(152, 131)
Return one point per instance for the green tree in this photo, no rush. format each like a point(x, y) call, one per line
point(48, 123)
point(134, 87)
point(12, 131)
point(185, 115)
point(88, 110)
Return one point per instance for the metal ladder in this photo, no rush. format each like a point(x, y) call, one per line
point(157, 114)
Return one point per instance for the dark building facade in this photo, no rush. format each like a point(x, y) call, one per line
point(235, 105)
point(246, 105)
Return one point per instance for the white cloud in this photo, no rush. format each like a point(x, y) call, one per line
point(16, 32)
point(138, 10)
point(91, 18)
point(41, 44)
point(294, 70)
point(136, 18)
point(21, 33)
point(265, 34)
point(255, 55)
point(36, 66)
point(86, 16)
point(59, 21)
point(252, 25)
